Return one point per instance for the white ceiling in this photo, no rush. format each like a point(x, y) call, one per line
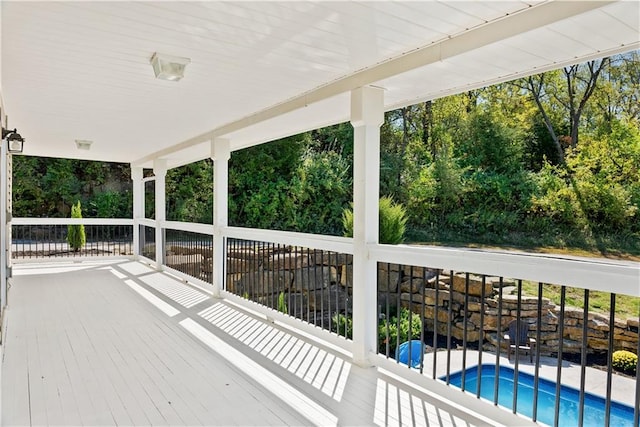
point(263, 70)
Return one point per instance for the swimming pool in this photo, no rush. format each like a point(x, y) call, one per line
point(594, 406)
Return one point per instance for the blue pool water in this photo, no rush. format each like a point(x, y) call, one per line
point(594, 406)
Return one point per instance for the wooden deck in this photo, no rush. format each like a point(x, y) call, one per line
point(118, 343)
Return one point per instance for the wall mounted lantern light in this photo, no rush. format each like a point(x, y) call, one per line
point(167, 67)
point(15, 141)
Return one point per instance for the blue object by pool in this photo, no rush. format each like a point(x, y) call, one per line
point(402, 353)
point(594, 406)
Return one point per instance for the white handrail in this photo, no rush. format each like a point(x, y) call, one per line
point(315, 241)
point(72, 221)
point(146, 222)
point(621, 277)
point(189, 226)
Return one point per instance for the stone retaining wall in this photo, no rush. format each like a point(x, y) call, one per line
point(316, 284)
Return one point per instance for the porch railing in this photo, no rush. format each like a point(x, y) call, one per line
point(443, 312)
point(453, 326)
point(35, 238)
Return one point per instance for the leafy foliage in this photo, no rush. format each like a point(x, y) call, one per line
point(398, 329)
point(625, 361)
point(392, 217)
point(75, 233)
point(495, 165)
point(393, 331)
point(319, 191)
point(282, 303)
point(342, 325)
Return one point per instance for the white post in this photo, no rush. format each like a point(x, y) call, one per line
point(220, 153)
point(160, 171)
point(4, 224)
point(367, 115)
point(138, 206)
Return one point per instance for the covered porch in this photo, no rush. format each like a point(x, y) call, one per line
point(141, 339)
point(119, 343)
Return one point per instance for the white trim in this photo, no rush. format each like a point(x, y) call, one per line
point(147, 222)
point(144, 260)
point(72, 259)
point(534, 17)
point(5, 223)
point(72, 221)
point(188, 226)
point(598, 274)
point(187, 278)
point(342, 245)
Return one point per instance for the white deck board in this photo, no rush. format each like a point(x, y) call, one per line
point(82, 347)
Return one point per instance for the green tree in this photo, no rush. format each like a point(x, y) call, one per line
point(75, 233)
point(319, 191)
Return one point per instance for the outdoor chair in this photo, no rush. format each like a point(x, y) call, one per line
point(524, 342)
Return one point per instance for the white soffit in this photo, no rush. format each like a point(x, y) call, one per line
point(264, 70)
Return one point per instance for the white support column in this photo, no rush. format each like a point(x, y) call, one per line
point(4, 224)
point(220, 153)
point(160, 171)
point(367, 115)
point(138, 206)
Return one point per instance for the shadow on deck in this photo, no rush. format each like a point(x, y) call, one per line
point(117, 342)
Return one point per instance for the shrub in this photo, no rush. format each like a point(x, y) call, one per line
point(625, 361)
point(342, 325)
point(75, 233)
point(398, 330)
point(393, 221)
point(282, 304)
point(437, 190)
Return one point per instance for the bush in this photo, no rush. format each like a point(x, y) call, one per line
point(75, 233)
point(393, 221)
point(282, 304)
point(398, 330)
point(437, 191)
point(625, 361)
point(342, 325)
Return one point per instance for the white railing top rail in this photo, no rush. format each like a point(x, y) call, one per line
point(315, 241)
point(189, 226)
point(146, 221)
point(72, 221)
point(621, 277)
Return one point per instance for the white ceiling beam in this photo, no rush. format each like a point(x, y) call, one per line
point(514, 76)
point(534, 17)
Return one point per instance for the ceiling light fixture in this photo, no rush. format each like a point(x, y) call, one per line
point(167, 67)
point(15, 141)
point(83, 144)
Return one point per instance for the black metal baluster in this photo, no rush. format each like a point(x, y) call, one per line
point(422, 319)
point(449, 320)
point(435, 322)
point(464, 331)
point(481, 339)
point(397, 346)
point(556, 416)
point(636, 412)
point(410, 303)
point(612, 327)
point(536, 376)
point(315, 254)
point(516, 369)
point(583, 357)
